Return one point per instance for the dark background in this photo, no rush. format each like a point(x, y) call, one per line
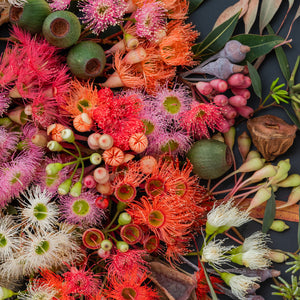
point(204, 19)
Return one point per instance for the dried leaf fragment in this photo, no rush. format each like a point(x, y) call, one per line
point(271, 135)
point(250, 15)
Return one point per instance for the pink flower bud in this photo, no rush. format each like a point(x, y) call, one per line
point(105, 189)
point(204, 88)
point(101, 175)
point(105, 141)
point(219, 85)
point(89, 181)
point(40, 138)
point(220, 100)
point(247, 83)
point(236, 80)
point(237, 101)
point(231, 122)
point(93, 141)
point(103, 254)
point(245, 111)
point(241, 92)
point(224, 126)
point(229, 112)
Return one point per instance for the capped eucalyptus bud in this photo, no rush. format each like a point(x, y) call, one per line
point(279, 226)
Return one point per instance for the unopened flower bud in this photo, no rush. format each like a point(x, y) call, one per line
point(277, 256)
point(54, 146)
point(265, 172)
point(253, 154)
point(76, 189)
point(105, 188)
point(68, 135)
point(106, 245)
point(293, 198)
point(122, 246)
point(135, 56)
point(89, 181)
point(64, 187)
point(219, 137)
point(244, 144)
point(229, 137)
point(103, 254)
point(28, 110)
point(6, 293)
point(261, 196)
point(124, 218)
point(291, 181)
point(18, 115)
point(204, 88)
point(93, 140)
point(282, 172)
point(101, 175)
point(52, 169)
point(279, 226)
point(252, 165)
point(95, 158)
point(40, 139)
point(131, 41)
point(106, 141)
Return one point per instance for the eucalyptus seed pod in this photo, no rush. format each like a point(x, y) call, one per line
point(210, 158)
point(62, 29)
point(86, 60)
point(31, 16)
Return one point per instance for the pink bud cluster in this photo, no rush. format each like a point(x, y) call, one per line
point(230, 95)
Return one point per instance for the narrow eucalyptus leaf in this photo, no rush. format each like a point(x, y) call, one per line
point(269, 213)
point(299, 230)
point(255, 79)
point(194, 4)
point(211, 289)
point(268, 10)
point(259, 44)
point(282, 58)
point(216, 40)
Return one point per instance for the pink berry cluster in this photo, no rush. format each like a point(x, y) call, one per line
point(230, 96)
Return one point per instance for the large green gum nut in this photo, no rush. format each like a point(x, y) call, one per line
point(210, 158)
point(86, 60)
point(62, 29)
point(31, 16)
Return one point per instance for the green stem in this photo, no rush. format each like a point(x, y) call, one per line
point(71, 177)
point(292, 79)
point(113, 229)
point(112, 221)
point(266, 99)
point(67, 151)
point(81, 161)
point(113, 238)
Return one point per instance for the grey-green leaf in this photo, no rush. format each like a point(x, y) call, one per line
point(216, 40)
point(255, 79)
point(267, 11)
point(250, 16)
point(291, 3)
point(282, 59)
point(194, 4)
point(259, 44)
point(269, 215)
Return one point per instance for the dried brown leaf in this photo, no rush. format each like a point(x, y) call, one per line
point(267, 11)
point(250, 15)
point(230, 11)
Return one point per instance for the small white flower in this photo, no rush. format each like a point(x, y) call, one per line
point(240, 285)
point(9, 239)
point(257, 240)
point(256, 259)
point(17, 3)
point(39, 212)
point(38, 292)
point(12, 268)
point(214, 253)
point(225, 216)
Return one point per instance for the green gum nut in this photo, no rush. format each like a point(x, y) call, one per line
point(210, 158)
point(31, 16)
point(86, 60)
point(62, 29)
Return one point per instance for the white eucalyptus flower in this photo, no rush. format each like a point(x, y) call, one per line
point(38, 292)
point(17, 3)
point(257, 240)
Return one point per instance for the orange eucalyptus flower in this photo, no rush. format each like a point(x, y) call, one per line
point(177, 9)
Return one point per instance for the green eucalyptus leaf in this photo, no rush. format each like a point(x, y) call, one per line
point(268, 10)
point(255, 79)
point(216, 40)
point(299, 230)
point(259, 44)
point(211, 289)
point(282, 58)
point(194, 4)
point(270, 211)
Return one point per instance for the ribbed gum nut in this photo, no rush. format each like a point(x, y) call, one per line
point(54, 168)
point(101, 175)
point(122, 246)
point(244, 144)
point(204, 88)
point(252, 165)
point(95, 158)
point(64, 187)
point(62, 29)
point(265, 172)
point(68, 135)
point(124, 218)
point(89, 181)
point(18, 115)
point(277, 256)
point(83, 122)
point(135, 56)
point(279, 226)
point(86, 60)
point(93, 141)
point(291, 181)
point(92, 238)
point(131, 41)
point(105, 141)
point(31, 16)
point(54, 146)
point(128, 157)
point(76, 189)
point(229, 137)
point(261, 196)
point(40, 139)
point(105, 189)
point(282, 173)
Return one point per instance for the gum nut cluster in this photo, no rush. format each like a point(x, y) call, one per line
point(230, 95)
